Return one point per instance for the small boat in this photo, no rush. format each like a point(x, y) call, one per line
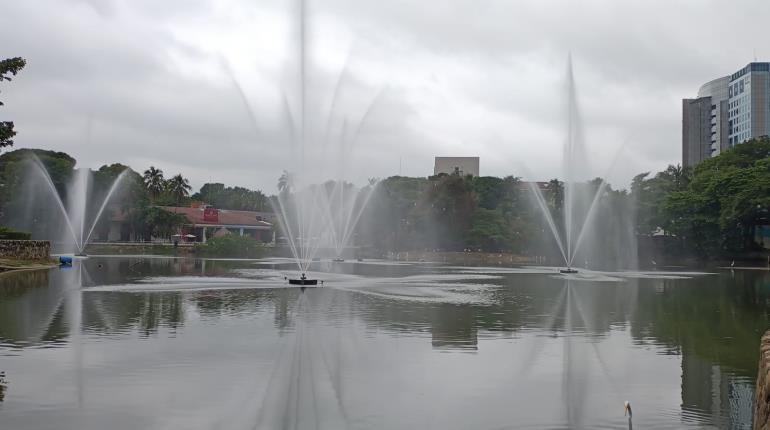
point(568, 270)
point(339, 260)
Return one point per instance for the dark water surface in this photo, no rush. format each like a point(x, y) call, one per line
point(164, 343)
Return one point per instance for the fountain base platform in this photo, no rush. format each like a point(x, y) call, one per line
point(303, 280)
point(568, 270)
point(338, 260)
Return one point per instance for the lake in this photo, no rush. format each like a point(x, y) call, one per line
point(144, 342)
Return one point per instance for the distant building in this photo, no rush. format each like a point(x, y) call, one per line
point(202, 223)
point(728, 111)
point(456, 165)
point(696, 130)
point(207, 222)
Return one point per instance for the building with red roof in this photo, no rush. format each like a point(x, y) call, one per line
point(206, 222)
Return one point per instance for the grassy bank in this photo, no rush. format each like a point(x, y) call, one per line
point(7, 264)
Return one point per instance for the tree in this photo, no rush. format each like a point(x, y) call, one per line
point(284, 182)
point(555, 197)
point(154, 182)
point(8, 67)
point(19, 195)
point(162, 223)
point(444, 212)
point(728, 197)
point(178, 187)
point(233, 198)
point(649, 195)
point(489, 230)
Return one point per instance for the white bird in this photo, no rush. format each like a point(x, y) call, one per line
point(732, 264)
point(627, 409)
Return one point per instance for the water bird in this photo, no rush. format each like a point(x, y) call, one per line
point(732, 264)
point(627, 409)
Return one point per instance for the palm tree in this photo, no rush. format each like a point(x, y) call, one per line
point(153, 181)
point(284, 182)
point(556, 195)
point(179, 188)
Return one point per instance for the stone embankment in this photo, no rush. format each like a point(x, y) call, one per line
point(25, 249)
point(762, 393)
point(465, 258)
point(25, 254)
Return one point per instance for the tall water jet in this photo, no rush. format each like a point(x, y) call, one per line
point(312, 215)
point(82, 211)
point(582, 198)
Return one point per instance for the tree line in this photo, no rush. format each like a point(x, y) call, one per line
point(719, 209)
point(137, 200)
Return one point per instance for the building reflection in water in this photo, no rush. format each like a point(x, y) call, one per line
point(713, 323)
point(3, 386)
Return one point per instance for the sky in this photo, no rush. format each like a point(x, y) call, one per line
point(212, 89)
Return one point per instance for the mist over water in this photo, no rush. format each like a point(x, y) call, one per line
point(318, 209)
point(594, 231)
point(66, 214)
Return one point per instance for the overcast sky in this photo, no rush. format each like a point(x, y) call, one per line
point(203, 87)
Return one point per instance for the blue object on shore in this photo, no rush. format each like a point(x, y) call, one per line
point(65, 260)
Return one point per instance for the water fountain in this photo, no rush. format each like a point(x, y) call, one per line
point(315, 216)
point(580, 198)
point(78, 224)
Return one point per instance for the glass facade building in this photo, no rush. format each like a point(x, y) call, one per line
point(748, 103)
point(738, 108)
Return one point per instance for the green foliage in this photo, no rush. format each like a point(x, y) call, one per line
point(231, 245)
point(448, 212)
point(9, 234)
point(650, 194)
point(233, 198)
point(14, 168)
point(489, 231)
point(154, 182)
point(9, 67)
point(178, 188)
point(728, 197)
point(159, 222)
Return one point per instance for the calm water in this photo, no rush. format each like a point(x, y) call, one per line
point(162, 343)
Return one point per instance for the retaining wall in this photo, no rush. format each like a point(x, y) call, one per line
point(762, 393)
point(25, 249)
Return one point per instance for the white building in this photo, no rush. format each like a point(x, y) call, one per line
point(728, 111)
point(456, 166)
point(749, 95)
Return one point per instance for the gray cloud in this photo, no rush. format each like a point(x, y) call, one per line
point(156, 83)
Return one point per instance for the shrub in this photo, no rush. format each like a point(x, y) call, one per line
point(8, 234)
point(231, 246)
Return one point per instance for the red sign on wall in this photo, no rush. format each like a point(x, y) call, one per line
point(210, 215)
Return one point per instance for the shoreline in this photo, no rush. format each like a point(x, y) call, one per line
point(11, 265)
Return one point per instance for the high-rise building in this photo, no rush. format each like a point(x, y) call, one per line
point(749, 95)
point(696, 130)
point(704, 122)
point(728, 111)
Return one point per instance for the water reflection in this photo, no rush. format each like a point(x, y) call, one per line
point(529, 335)
point(3, 385)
